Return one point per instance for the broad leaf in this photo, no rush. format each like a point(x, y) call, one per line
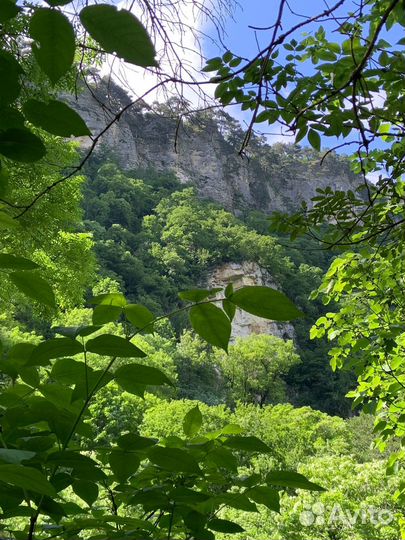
point(16, 263)
point(34, 287)
point(123, 464)
point(224, 526)
point(173, 459)
point(131, 441)
point(10, 71)
point(110, 299)
point(105, 313)
point(26, 478)
point(139, 316)
point(8, 10)
point(197, 295)
point(20, 144)
point(68, 371)
point(119, 32)
point(53, 348)
point(265, 495)
point(11, 455)
point(314, 139)
point(265, 302)
point(54, 45)
point(248, 444)
point(55, 117)
point(291, 479)
point(211, 324)
point(192, 422)
point(131, 376)
point(110, 345)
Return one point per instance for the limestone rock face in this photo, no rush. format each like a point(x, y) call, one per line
point(242, 275)
point(201, 155)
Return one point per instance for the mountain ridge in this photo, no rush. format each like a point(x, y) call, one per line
point(201, 149)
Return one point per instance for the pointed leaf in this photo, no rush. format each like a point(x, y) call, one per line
point(26, 478)
point(211, 324)
point(197, 295)
point(123, 464)
point(248, 444)
point(105, 313)
point(314, 139)
point(20, 144)
point(139, 315)
point(265, 495)
point(192, 422)
point(119, 32)
point(53, 348)
point(54, 45)
point(34, 287)
point(265, 302)
point(86, 490)
point(109, 345)
point(16, 263)
point(139, 374)
point(55, 117)
point(224, 526)
point(291, 479)
point(173, 459)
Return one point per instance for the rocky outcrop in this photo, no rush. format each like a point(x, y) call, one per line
point(241, 275)
point(200, 153)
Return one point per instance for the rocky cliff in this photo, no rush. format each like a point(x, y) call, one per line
point(242, 275)
point(202, 150)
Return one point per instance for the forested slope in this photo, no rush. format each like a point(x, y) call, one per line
point(155, 237)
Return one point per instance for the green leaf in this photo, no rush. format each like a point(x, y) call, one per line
point(314, 139)
point(265, 495)
point(197, 295)
point(225, 526)
point(55, 42)
point(119, 32)
point(75, 331)
point(8, 10)
point(248, 444)
point(131, 441)
point(11, 455)
point(34, 287)
point(105, 313)
point(109, 299)
point(211, 324)
point(55, 117)
point(16, 263)
point(238, 501)
point(265, 302)
point(109, 345)
point(68, 371)
point(183, 495)
point(139, 315)
point(10, 71)
point(26, 478)
point(123, 464)
point(229, 308)
point(192, 422)
point(131, 376)
point(19, 144)
point(291, 479)
point(173, 459)
point(53, 348)
point(223, 458)
point(7, 222)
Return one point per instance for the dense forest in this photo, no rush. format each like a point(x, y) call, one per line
point(174, 366)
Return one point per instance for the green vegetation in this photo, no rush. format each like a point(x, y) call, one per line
point(128, 411)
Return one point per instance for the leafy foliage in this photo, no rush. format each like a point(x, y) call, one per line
point(43, 458)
